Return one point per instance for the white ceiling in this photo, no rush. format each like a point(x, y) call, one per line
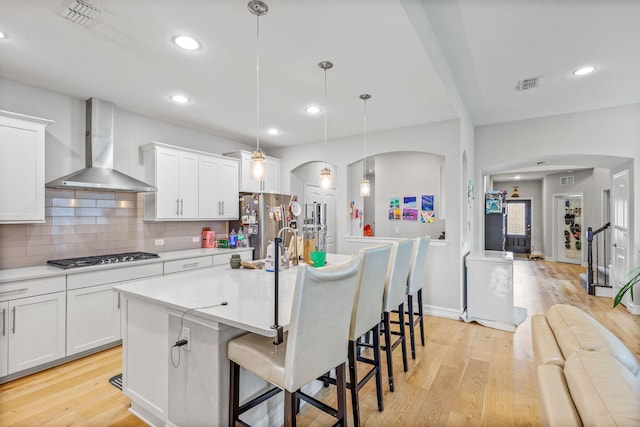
point(127, 57)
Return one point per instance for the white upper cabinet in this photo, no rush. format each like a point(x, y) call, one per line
point(271, 183)
point(192, 185)
point(22, 168)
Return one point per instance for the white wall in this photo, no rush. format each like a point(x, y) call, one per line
point(611, 135)
point(65, 138)
point(443, 294)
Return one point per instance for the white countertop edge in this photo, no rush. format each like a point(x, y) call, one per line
point(382, 240)
point(44, 271)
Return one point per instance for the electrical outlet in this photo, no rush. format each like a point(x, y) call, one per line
point(186, 335)
point(195, 239)
point(159, 242)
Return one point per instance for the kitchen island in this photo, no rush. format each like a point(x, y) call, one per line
point(189, 385)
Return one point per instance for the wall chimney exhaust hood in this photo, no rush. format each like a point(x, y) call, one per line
point(99, 173)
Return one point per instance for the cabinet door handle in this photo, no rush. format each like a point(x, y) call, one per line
point(181, 206)
point(193, 264)
point(118, 303)
point(219, 213)
point(222, 207)
point(4, 322)
point(177, 206)
point(14, 320)
point(14, 291)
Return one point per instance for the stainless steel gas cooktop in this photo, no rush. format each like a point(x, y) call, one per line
point(100, 259)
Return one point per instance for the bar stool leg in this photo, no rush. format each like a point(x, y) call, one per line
point(412, 337)
point(341, 384)
point(403, 340)
point(234, 386)
point(388, 347)
point(353, 381)
point(376, 360)
point(290, 405)
point(421, 316)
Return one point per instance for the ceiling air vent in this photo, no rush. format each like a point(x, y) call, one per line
point(529, 83)
point(566, 180)
point(81, 12)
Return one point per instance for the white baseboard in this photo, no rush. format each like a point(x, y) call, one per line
point(447, 313)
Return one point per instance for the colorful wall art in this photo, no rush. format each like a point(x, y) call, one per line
point(410, 210)
point(427, 202)
point(410, 214)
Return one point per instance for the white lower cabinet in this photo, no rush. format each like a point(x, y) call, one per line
point(93, 318)
point(33, 332)
point(93, 308)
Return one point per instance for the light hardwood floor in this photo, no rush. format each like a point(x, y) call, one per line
point(466, 375)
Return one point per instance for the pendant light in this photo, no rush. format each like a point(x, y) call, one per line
point(258, 8)
point(365, 187)
point(325, 173)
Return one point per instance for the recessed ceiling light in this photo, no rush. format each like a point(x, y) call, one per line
point(516, 177)
point(312, 109)
point(3, 35)
point(186, 42)
point(584, 71)
point(273, 131)
point(180, 99)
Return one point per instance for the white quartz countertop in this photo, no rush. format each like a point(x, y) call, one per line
point(249, 295)
point(41, 271)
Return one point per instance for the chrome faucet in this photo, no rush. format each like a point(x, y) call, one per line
point(295, 237)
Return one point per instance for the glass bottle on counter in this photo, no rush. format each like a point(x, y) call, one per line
point(241, 237)
point(233, 239)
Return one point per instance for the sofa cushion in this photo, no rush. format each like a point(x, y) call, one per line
point(545, 346)
point(556, 407)
point(604, 392)
point(576, 330)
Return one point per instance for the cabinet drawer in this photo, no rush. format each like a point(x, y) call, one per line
point(112, 275)
point(33, 287)
point(224, 258)
point(187, 264)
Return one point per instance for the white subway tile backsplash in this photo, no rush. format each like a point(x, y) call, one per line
point(80, 223)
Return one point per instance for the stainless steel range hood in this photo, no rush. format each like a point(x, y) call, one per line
point(99, 173)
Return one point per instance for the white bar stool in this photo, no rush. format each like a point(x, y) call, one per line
point(365, 319)
point(394, 297)
point(316, 342)
point(415, 283)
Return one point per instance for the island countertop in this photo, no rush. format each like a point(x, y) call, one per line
point(249, 295)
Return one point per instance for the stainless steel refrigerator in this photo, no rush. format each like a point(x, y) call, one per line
point(264, 215)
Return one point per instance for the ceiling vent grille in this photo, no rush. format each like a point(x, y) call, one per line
point(566, 180)
point(81, 12)
point(530, 83)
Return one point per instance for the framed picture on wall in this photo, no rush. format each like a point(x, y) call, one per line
point(493, 206)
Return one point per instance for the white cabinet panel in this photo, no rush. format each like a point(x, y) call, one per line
point(36, 331)
point(22, 165)
point(4, 338)
point(179, 265)
point(93, 318)
point(246, 184)
point(192, 185)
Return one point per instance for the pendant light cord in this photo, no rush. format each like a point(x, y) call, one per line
point(258, 82)
point(325, 118)
point(364, 169)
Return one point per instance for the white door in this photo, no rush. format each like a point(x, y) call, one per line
point(188, 185)
point(312, 193)
point(36, 330)
point(168, 183)
point(209, 195)
point(93, 317)
point(4, 318)
point(229, 190)
point(620, 229)
point(569, 230)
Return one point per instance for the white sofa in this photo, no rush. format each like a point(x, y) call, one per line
point(585, 374)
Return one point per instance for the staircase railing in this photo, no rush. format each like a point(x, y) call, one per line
point(598, 239)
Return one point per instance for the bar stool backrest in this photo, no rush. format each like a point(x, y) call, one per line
point(416, 278)
point(370, 289)
point(397, 273)
point(320, 316)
